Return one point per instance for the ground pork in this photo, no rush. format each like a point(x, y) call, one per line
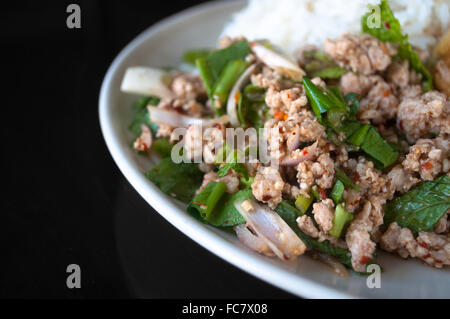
point(361, 53)
point(231, 180)
point(268, 78)
point(442, 77)
point(324, 214)
point(267, 186)
point(379, 105)
point(282, 103)
point(187, 86)
point(443, 225)
point(306, 224)
point(432, 248)
point(285, 136)
point(358, 236)
point(359, 84)
point(226, 41)
point(213, 140)
point(424, 115)
point(145, 140)
point(320, 172)
point(397, 74)
point(401, 180)
point(428, 157)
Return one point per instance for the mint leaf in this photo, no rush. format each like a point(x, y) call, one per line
point(390, 31)
point(172, 178)
point(420, 208)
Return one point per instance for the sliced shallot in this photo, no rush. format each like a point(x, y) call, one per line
point(270, 227)
point(175, 119)
point(233, 97)
point(252, 241)
point(278, 62)
point(146, 81)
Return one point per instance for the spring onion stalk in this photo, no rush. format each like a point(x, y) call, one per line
point(346, 180)
point(205, 74)
point(337, 191)
point(341, 219)
point(226, 81)
point(303, 203)
point(247, 182)
point(315, 192)
point(217, 192)
point(358, 137)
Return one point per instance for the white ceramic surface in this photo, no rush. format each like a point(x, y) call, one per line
point(162, 45)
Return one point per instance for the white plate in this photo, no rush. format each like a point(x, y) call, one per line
point(162, 45)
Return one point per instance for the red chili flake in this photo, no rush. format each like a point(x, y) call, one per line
point(225, 222)
point(386, 93)
point(356, 177)
point(387, 25)
point(364, 260)
point(438, 261)
point(400, 124)
point(422, 244)
point(305, 152)
point(427, 166)
point(279, 115)
point(236, 97)
point(266, 198)
point(426, 256)
point(322, 193)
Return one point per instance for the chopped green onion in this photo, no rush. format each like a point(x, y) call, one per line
point(226, 80)
point(206, 75)
point(303, 203)
point(337, 191)
point(341, 219)
point(346, 180)
point(358, 137)
point(218, 190)
point(247, 182)
point(315, 192)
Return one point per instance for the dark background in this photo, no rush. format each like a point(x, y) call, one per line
point(64, 200)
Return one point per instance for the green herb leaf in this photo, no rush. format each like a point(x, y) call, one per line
point(346, 180)
point(390, 31)
point(190, 56)
point(224, 214)
point(420, 208)
point(318, 64)
point(141, 116)
point(378, 148)
point(162, 147)
point(172, 178)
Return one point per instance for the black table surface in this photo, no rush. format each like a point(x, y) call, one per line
point(64, 199)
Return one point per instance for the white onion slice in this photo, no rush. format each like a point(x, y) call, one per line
point(252, 241)
point(232, 103)
point(175, 119)
point(146, 81)
point(270, 227)
point(332, 262)
point(278, 62)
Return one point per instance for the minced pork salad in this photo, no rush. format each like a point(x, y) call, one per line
point(356, 136)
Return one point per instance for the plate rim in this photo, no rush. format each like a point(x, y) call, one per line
point(196, 231)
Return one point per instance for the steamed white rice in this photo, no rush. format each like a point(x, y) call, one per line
point(293, 23)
